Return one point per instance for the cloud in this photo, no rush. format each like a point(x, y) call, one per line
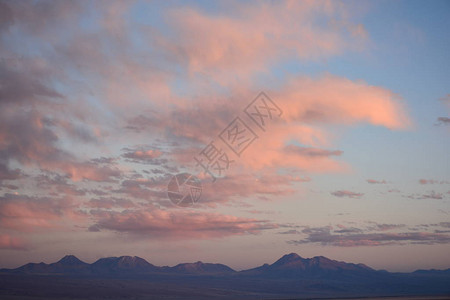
point(181, 225)
point(31, 16)
point(373, 181)
point(244, 42)
point(8, 174)
point(29, 139)
point(33, 122)
point(12, 243)
point(6, 17)
point(146, 189)
point(291, 231)
point(306, 103)
point(375, 239)
point(26, 213)
point(311, 152)
point(432, 195)
point(332, 99)
point(43, 136)
point(20, 87)
point(57, 185)
point(143, 156)
point(239, 187)
point(70, 119)
point(383, 226)
point(428, 195)
point(344, 193)
point(443, 121)
point(355, 237)
point(432, 181)
point(108, 203)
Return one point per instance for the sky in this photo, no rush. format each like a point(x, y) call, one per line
point(314, 127)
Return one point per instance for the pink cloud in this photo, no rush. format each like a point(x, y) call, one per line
point(257, 35)
point(432, 181)
point(332, 99)
point(39, 125)
point(178, 224)
point(238, 187)
point(306, 103)
point(373, 181)
point(25, 213)
point(142, 154)
point(13, 243)
point(31, 139)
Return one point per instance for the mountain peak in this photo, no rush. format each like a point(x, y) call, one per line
point(288, 258)
point(321, 259)
point(201, 267)
point(70, 260)
point(292, 255)
point(128, 258)
point(132, 261)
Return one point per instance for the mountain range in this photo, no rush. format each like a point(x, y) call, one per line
point(122, 265)
point(288, 265)
point(290, 276)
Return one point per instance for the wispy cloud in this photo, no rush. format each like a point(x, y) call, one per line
point(433, 181)
point(373, 181)
point(443, 120)
point(428, 195)
point(345, 193)
point(372, 235)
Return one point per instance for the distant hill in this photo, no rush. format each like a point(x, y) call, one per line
point(294, 265)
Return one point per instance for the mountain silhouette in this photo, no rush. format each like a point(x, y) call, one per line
point(122, 264)
point(319, 266)
point(201, 268)
point(287, 266)
point(67, 264)
point(288, 277)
